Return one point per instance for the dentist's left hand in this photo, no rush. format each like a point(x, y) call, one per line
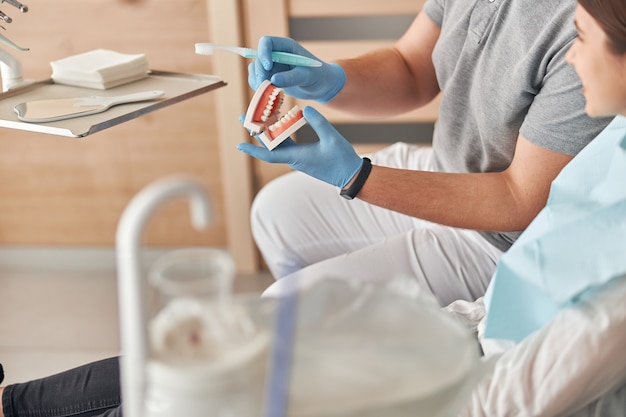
point(332, 159)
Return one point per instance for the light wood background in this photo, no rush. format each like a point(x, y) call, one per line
point(57, 191)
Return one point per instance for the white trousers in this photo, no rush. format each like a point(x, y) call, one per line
point(307, 232)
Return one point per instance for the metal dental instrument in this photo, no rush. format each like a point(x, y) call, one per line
point(5, 18)
point(22, 8)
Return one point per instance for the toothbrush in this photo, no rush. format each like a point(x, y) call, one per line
point(280, 57)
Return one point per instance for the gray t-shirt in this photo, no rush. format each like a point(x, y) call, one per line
point(501, 68)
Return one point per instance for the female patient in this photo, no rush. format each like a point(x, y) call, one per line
point(570, 356)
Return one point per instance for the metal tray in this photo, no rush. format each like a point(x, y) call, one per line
point(177, 87)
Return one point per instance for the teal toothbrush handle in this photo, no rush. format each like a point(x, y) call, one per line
point(277, 56)
point(293, 59)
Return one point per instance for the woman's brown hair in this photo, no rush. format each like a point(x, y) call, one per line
point(611, 16)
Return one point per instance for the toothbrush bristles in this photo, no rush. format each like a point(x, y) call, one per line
point(204, 49)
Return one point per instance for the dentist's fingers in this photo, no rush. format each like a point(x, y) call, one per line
point(257, 73)
point(282, 44)
point(258, 152)
point(242, 118)
point(264, 51)
point(255, 77)
point(296, 77)
point(319, 124)
point(268, 44)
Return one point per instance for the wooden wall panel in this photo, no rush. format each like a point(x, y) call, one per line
point(333, 8)
point(225, 20)
point(62, 191)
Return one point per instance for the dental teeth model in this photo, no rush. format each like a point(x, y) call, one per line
point(263, 117)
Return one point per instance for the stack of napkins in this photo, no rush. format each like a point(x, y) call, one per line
point(100, 69)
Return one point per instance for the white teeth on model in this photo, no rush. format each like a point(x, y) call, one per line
point(286, 118)
point(270, 105)
point(267, 113)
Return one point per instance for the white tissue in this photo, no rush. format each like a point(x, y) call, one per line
point(100, 69)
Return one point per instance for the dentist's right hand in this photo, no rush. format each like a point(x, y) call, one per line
point(321, 84)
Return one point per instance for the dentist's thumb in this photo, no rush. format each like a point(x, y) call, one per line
point(339, 157)
point(319, 123)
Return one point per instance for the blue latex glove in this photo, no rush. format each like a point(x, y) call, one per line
point(332, 159)
point(321, 84)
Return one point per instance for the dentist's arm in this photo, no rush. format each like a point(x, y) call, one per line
point(503, 201)
point(393, 80)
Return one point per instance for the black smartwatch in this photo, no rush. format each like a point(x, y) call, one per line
point(352, 191)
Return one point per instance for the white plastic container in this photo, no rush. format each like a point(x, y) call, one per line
point(208, 357)
point(231, 387)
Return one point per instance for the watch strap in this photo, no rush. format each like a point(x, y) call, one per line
point(354, 188)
